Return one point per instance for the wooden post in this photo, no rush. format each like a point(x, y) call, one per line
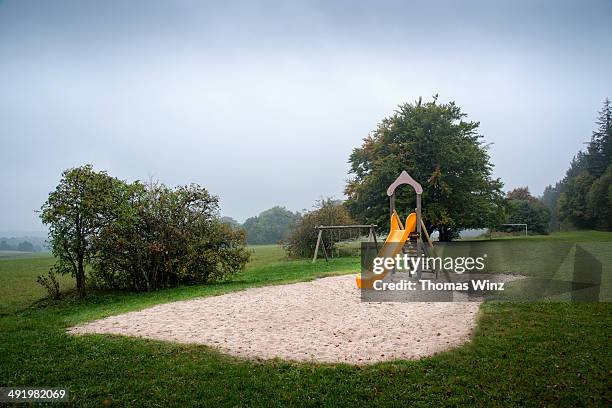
point(426, 234)
point(418, 211)
point(418, 230)
point(314, 257)
point(324, 249)
point(373, 232)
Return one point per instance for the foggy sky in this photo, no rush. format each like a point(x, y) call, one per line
point(262, 102)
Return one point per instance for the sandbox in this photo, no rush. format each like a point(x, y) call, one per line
point(320, 321)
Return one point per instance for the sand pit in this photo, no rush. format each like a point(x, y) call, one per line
point(322, 320)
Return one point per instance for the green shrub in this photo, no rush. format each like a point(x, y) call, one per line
point(164, 237)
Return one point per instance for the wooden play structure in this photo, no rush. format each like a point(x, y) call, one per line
point(403, 238)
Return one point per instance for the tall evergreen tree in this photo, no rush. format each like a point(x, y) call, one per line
point(599, 152)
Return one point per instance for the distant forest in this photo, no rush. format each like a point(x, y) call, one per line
point(271, 226)
point(23, 244)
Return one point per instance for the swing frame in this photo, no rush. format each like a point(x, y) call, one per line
point(320, 239)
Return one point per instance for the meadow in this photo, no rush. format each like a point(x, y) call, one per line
point(527, 354)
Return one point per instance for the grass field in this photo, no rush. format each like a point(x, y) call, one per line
point(527, 354)
point(568, 236)
point(18, 273)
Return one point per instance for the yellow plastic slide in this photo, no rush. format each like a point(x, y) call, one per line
point(393, 246)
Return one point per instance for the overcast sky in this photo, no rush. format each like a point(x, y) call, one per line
point(262, 102)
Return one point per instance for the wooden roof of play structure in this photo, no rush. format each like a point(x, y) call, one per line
point(404, 178)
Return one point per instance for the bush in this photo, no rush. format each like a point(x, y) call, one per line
point(162, 237)
point(303, 238)
point(137, 236)
point(51, 284)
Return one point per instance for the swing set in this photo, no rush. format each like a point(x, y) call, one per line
point(359, 227)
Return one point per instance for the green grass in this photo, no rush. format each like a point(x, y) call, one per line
point(525, 354)
point(18, 287)
point(565, 236)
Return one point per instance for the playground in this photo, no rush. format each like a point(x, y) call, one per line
point(326, 320)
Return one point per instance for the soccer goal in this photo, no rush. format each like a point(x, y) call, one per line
point(509, 229)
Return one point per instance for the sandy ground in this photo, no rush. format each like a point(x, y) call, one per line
point(321, 320)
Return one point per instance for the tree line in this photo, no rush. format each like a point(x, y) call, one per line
point(18, 245)
point(271, 226)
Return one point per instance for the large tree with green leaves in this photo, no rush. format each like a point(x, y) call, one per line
point(444, 152)
point(80, 206)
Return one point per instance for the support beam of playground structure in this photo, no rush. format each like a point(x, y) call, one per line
point(346, 226)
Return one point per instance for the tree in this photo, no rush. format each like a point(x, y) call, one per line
point(550, 198)
point(270, 226)
point(599, 201)
point(4, 246)
point(520, 193)
point(75, 212)
point(578, 164)
point(25, 246)
point(573, 202)
point(523, 208)
point(303, 238)
point(441, 150)
point(599, 152)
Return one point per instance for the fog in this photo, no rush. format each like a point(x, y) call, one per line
point(262, 102)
